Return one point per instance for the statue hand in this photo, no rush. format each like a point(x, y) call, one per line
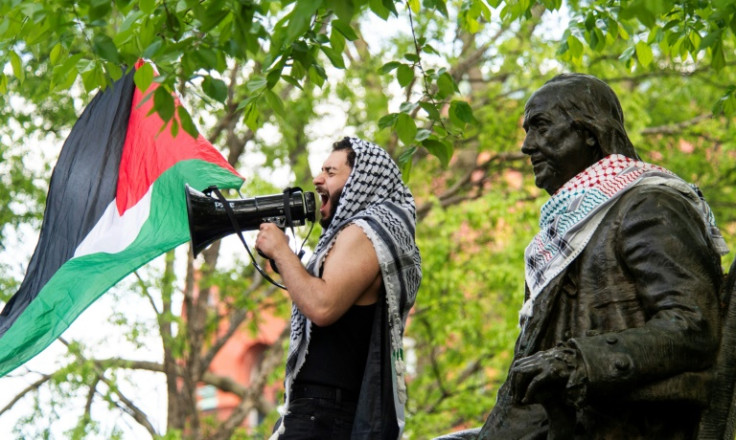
point(542, 377)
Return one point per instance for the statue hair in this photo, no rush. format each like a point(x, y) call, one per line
point(593, 106)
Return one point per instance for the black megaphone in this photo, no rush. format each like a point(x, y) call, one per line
point(209, 219)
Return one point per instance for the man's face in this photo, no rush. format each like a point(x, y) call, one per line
point(557, 150)
point(330, 182)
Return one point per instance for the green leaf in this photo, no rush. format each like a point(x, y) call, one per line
point(726, 104)
point(213, 17)
point(422, 134)
point(274, 75)
point(342, 8)
point(251, 116)
point(186, 121)
point(64, 75)
point(174, 128)
point(300, 18)
point(317, 74)
point(99, 9)
point(446, 86)
point(143, 77)
point(17, 66)
point(163, 103)
point(337, 41)
point(411, 57)
point(215, 88)
point(406, 128)
point(627, 54)
point(711, 39)
point(55, 54)
point(293, 81)
point(388, 121)
point(388, 67)
point(391, 6)
point(414, 5)
point(103, 46)
point(640, 10)
point(440, 149)
point(718, 58)
point(575, 46)
point(461, 111)
point(431, 109)
point(644, 53)
point(207, 58)
point(147, 6)
point(407, 107)
point(404, 161)
point(242, 104)
point(335, 57)
point(93, 78)
point(379, 9)
point(153, 48)
point(405, 75)
point(274, 101)
point(345, 29)
point(256, 84)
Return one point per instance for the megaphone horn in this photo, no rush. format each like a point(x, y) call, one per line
point(209, 219)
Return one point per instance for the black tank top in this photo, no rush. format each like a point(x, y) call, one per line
point(337, 353)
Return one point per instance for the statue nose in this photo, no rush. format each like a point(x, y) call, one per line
point(528, 146)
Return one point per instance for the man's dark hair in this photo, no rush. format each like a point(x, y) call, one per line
point(593, 106)
point(345, 144)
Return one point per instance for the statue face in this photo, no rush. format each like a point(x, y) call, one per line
point(557, 149)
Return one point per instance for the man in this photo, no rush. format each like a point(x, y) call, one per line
point(345, 370)
point(621, 319)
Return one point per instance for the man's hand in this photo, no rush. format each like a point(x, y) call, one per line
point(543, 376)
point(271, 241)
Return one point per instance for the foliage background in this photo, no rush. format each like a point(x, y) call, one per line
point(440, 84)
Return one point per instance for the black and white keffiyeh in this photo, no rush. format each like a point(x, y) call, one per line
point(375, 199)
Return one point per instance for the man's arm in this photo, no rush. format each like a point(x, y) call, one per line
point(350, 275)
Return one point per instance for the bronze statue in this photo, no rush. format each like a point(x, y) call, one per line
point(621, 325)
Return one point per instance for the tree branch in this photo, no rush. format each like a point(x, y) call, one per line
point(675, 128)
point(458, 192)
point(30, 388)
point(253, 396)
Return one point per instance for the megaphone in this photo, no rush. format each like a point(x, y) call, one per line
point(210, 219)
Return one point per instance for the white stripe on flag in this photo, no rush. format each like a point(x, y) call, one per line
point(114, 232)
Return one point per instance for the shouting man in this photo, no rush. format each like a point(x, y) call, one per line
point(345, 368)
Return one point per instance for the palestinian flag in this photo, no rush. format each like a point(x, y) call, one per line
point(116, 201)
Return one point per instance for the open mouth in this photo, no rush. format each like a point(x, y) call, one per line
point(323, 196)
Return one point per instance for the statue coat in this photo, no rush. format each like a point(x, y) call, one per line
point(641, 305)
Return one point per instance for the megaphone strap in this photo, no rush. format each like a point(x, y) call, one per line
point(236, 227)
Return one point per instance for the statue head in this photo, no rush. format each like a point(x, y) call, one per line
point(572, 121)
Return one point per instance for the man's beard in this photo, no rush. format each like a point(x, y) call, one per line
point(334, 203)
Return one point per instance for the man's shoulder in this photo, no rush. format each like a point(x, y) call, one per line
point(352, 235)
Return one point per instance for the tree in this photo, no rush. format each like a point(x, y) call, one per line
point(444, 93)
